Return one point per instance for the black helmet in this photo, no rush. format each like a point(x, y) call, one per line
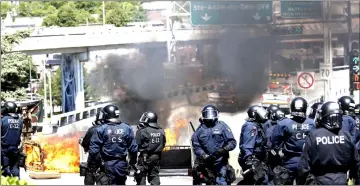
point(257, 113)
point(357, 110)
point(110, 113)
point(347, 105)
point(271, 109)
point(10, 108)
point(329, 116)
point(209, 112)
point(313, 110)
point(298, 107)
point(277, 115)
point(98, 120)
point(149, 118)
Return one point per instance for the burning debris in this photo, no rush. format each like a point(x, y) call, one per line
point(53, 154)
point(172, 134)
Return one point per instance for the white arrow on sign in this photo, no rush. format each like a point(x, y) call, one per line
point(206, 17)
point(356, 69)
point(256, 16)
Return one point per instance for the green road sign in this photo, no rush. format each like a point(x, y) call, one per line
point(290, 30)
point(301, 9)
point(204, 13)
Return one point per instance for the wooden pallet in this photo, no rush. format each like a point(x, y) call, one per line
point(44, 175)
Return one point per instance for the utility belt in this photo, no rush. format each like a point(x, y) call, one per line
point(110, 158)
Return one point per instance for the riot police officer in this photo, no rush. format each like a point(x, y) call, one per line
point(270, 110)
point(328, 152)
point(275, 117)
point(313, 110)
point(212, 142)
point(288, 138)
point(357, 126)
point(113, 140)
point(91, 167)
point(273, 157)
point(11, 128)
point(151, 142)
point(347, 105)
point(252, 147)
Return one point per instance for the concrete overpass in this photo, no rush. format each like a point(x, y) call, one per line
point(85, 39)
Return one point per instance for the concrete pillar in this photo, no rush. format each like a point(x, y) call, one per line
point(73, 97)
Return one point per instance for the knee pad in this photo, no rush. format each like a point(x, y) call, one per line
point(102, 179)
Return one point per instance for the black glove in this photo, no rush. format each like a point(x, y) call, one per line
point(221, 152)
point(80, 140)
point(132, 161)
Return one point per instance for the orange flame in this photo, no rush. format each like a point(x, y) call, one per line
point(172, 134)
point(58, 154)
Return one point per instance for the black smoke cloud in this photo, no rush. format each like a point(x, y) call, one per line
point(136, 81)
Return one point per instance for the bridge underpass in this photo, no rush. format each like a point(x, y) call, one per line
point(181, 108)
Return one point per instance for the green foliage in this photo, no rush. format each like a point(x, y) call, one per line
point(56, 88)
point(19, 93)
point(15, 67)
point(5, 8)
point(12, 181)
point(90, 92)
point(69, 14)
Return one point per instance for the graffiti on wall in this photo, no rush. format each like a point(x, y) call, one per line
point(68, 84)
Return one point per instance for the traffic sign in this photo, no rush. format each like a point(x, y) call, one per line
point(301, 9)
point(289, 30)
point(354, 67)
point(306, 80)
point(325, 71)
point(207, 13)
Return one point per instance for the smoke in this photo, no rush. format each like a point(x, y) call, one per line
point(137, 81)
point(245, 60)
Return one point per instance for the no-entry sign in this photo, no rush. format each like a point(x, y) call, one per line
point(306, 80)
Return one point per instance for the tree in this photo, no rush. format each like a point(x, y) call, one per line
point(5, 8)
point(15, 67)
point(56, 89)
point(35, 9)
point(120, 13)
point(67, 16)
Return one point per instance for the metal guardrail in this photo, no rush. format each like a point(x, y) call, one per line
point(75, 116)
point(61, 31)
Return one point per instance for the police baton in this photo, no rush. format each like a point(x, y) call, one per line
point(192, 126)
point(137, 171)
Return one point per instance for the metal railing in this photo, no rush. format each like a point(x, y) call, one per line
point(75, 116)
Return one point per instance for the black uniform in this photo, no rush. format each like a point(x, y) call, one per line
point(328, 151)
point(253, 148)
point(91, 166)
point(151, 142)
point(11, 128)
point(313, 110)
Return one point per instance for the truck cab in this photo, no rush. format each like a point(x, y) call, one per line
point(279, 91)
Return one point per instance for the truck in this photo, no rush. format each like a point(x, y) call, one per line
point(224, 96)
point(280, 91)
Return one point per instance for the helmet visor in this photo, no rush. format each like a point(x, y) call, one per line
point(143, 118)
point(210, 114)
point(262, 113)
point(333, 121)
point(100, 115)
